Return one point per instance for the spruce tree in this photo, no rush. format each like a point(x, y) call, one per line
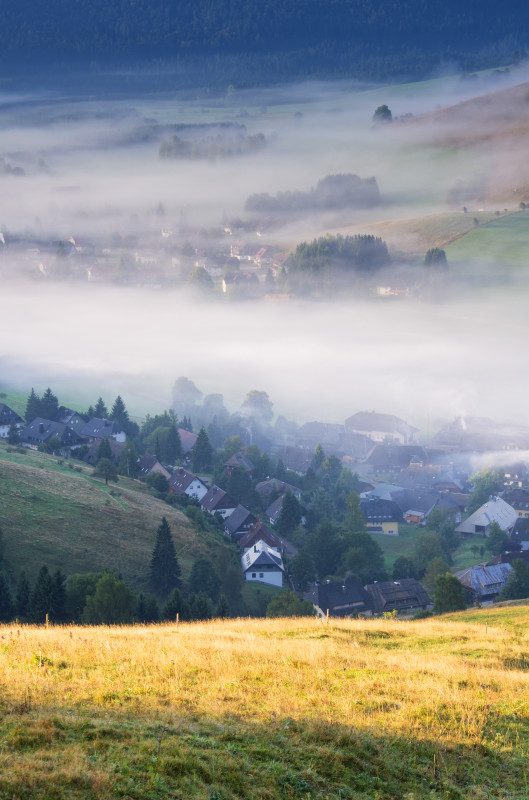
point(32, 407)
point(42, 597)
point(104, 450)
point(119, 413)
point(49, 406)
point(165, 570)
point(6, 601)
point(202, 452)
point(100, 410)
point(22, 597)
point(176, 604)
point(290, 515)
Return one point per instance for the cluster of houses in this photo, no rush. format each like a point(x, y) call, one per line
point(402, 481)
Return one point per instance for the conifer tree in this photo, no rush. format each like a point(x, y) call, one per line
point(119, 413)
point(32, 407)
point(22, 597)
point(104, 450)
point(176, 604)
point(202, 452)
point(165, 570)
point(6, 601)
point(49, 406)
point(290, 514)
point(42, 597)
point(100, 410)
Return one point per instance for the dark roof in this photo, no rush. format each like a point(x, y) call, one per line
point(180, 480)
point(41, 430)
point(376, 510)
point(90, 456)
point(271, 485)
point(99, 428)
point(8, 416)
point(295, 458)
point(239, 521)
point(395, 456)
point(71, 418)
point(400, 595)
point(217, 499)
point(520, 532)
point(259, 531)
point(339, 599)
point(239, 460)
point(517, 498)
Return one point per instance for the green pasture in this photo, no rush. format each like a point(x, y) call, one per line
point(502, 241)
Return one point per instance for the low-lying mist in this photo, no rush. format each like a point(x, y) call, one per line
point(90, 169)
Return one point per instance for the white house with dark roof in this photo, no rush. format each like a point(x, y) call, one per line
point(184, 482)
point(263, 564)
point(8, 417)
point(100, 428)
point(216, 500)
point(381, 427)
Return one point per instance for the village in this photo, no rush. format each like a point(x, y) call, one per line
point(398, 484)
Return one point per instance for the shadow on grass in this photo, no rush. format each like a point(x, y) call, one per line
point(79, 754)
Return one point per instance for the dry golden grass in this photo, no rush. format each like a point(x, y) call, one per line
point(437, 678)
point(268, 710)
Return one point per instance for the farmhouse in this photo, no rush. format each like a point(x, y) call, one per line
point(339, 599)
point(404, 595)
point(8, 417)
point(263, 564)
point(184, 482)
point(495, 510)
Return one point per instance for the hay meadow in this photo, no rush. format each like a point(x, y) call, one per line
point(288, 708)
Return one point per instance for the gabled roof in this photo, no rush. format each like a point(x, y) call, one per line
point(517, 498)
point(240, 520)
point(71, 418)
point(99, 428)
point(257, 532)
point(181, 480)
point(261, 555)
point(8, 416)
point(372, 421)
point(274, 509)
point(295, 458)
point(395, 456)
point(265, 488)
point(339, 599)
point(495, 510)
point(216, 499)
point(239, 460)
point(41, 430)
point(404, 594)
point(483, 580)
point(188, 440)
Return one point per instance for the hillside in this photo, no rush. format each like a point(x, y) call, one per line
point(57, 514)
point(269, 709)
point(306, 38)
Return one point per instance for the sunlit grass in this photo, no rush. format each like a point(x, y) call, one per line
point(268, 708)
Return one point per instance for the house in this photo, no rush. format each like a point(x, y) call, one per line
point(40, 431)
point(480, 435)
point(394, 457)
point(92, 454)
point(274, 509)
point(519, 537)
point(184, 482)
point(239, 460)
point(258, 532)
point(239, 522)
point(495, 510)
point(216, 500)
point(263, 564)
point(100, 428)
point(382, 516)
point(296, 459)
point(188, 439)
point(274, 486)
point(519, 500)
point(404, 595)
point(148, 464)
point(484, 584)
point(381, 427)
point(71, 418)
point(344, 599)
point(8, 417)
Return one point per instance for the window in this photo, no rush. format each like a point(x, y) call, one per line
point(261, 574)
point(254, 575)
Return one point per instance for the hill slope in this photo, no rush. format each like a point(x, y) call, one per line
point(269, 709)
point(57, 514)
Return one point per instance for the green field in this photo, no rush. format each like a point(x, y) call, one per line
point(404, 545)
point(57, 514)
point(503, 241)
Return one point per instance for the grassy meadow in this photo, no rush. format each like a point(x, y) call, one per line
point(503, 241)
point(54, 512)
point(290, 708)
